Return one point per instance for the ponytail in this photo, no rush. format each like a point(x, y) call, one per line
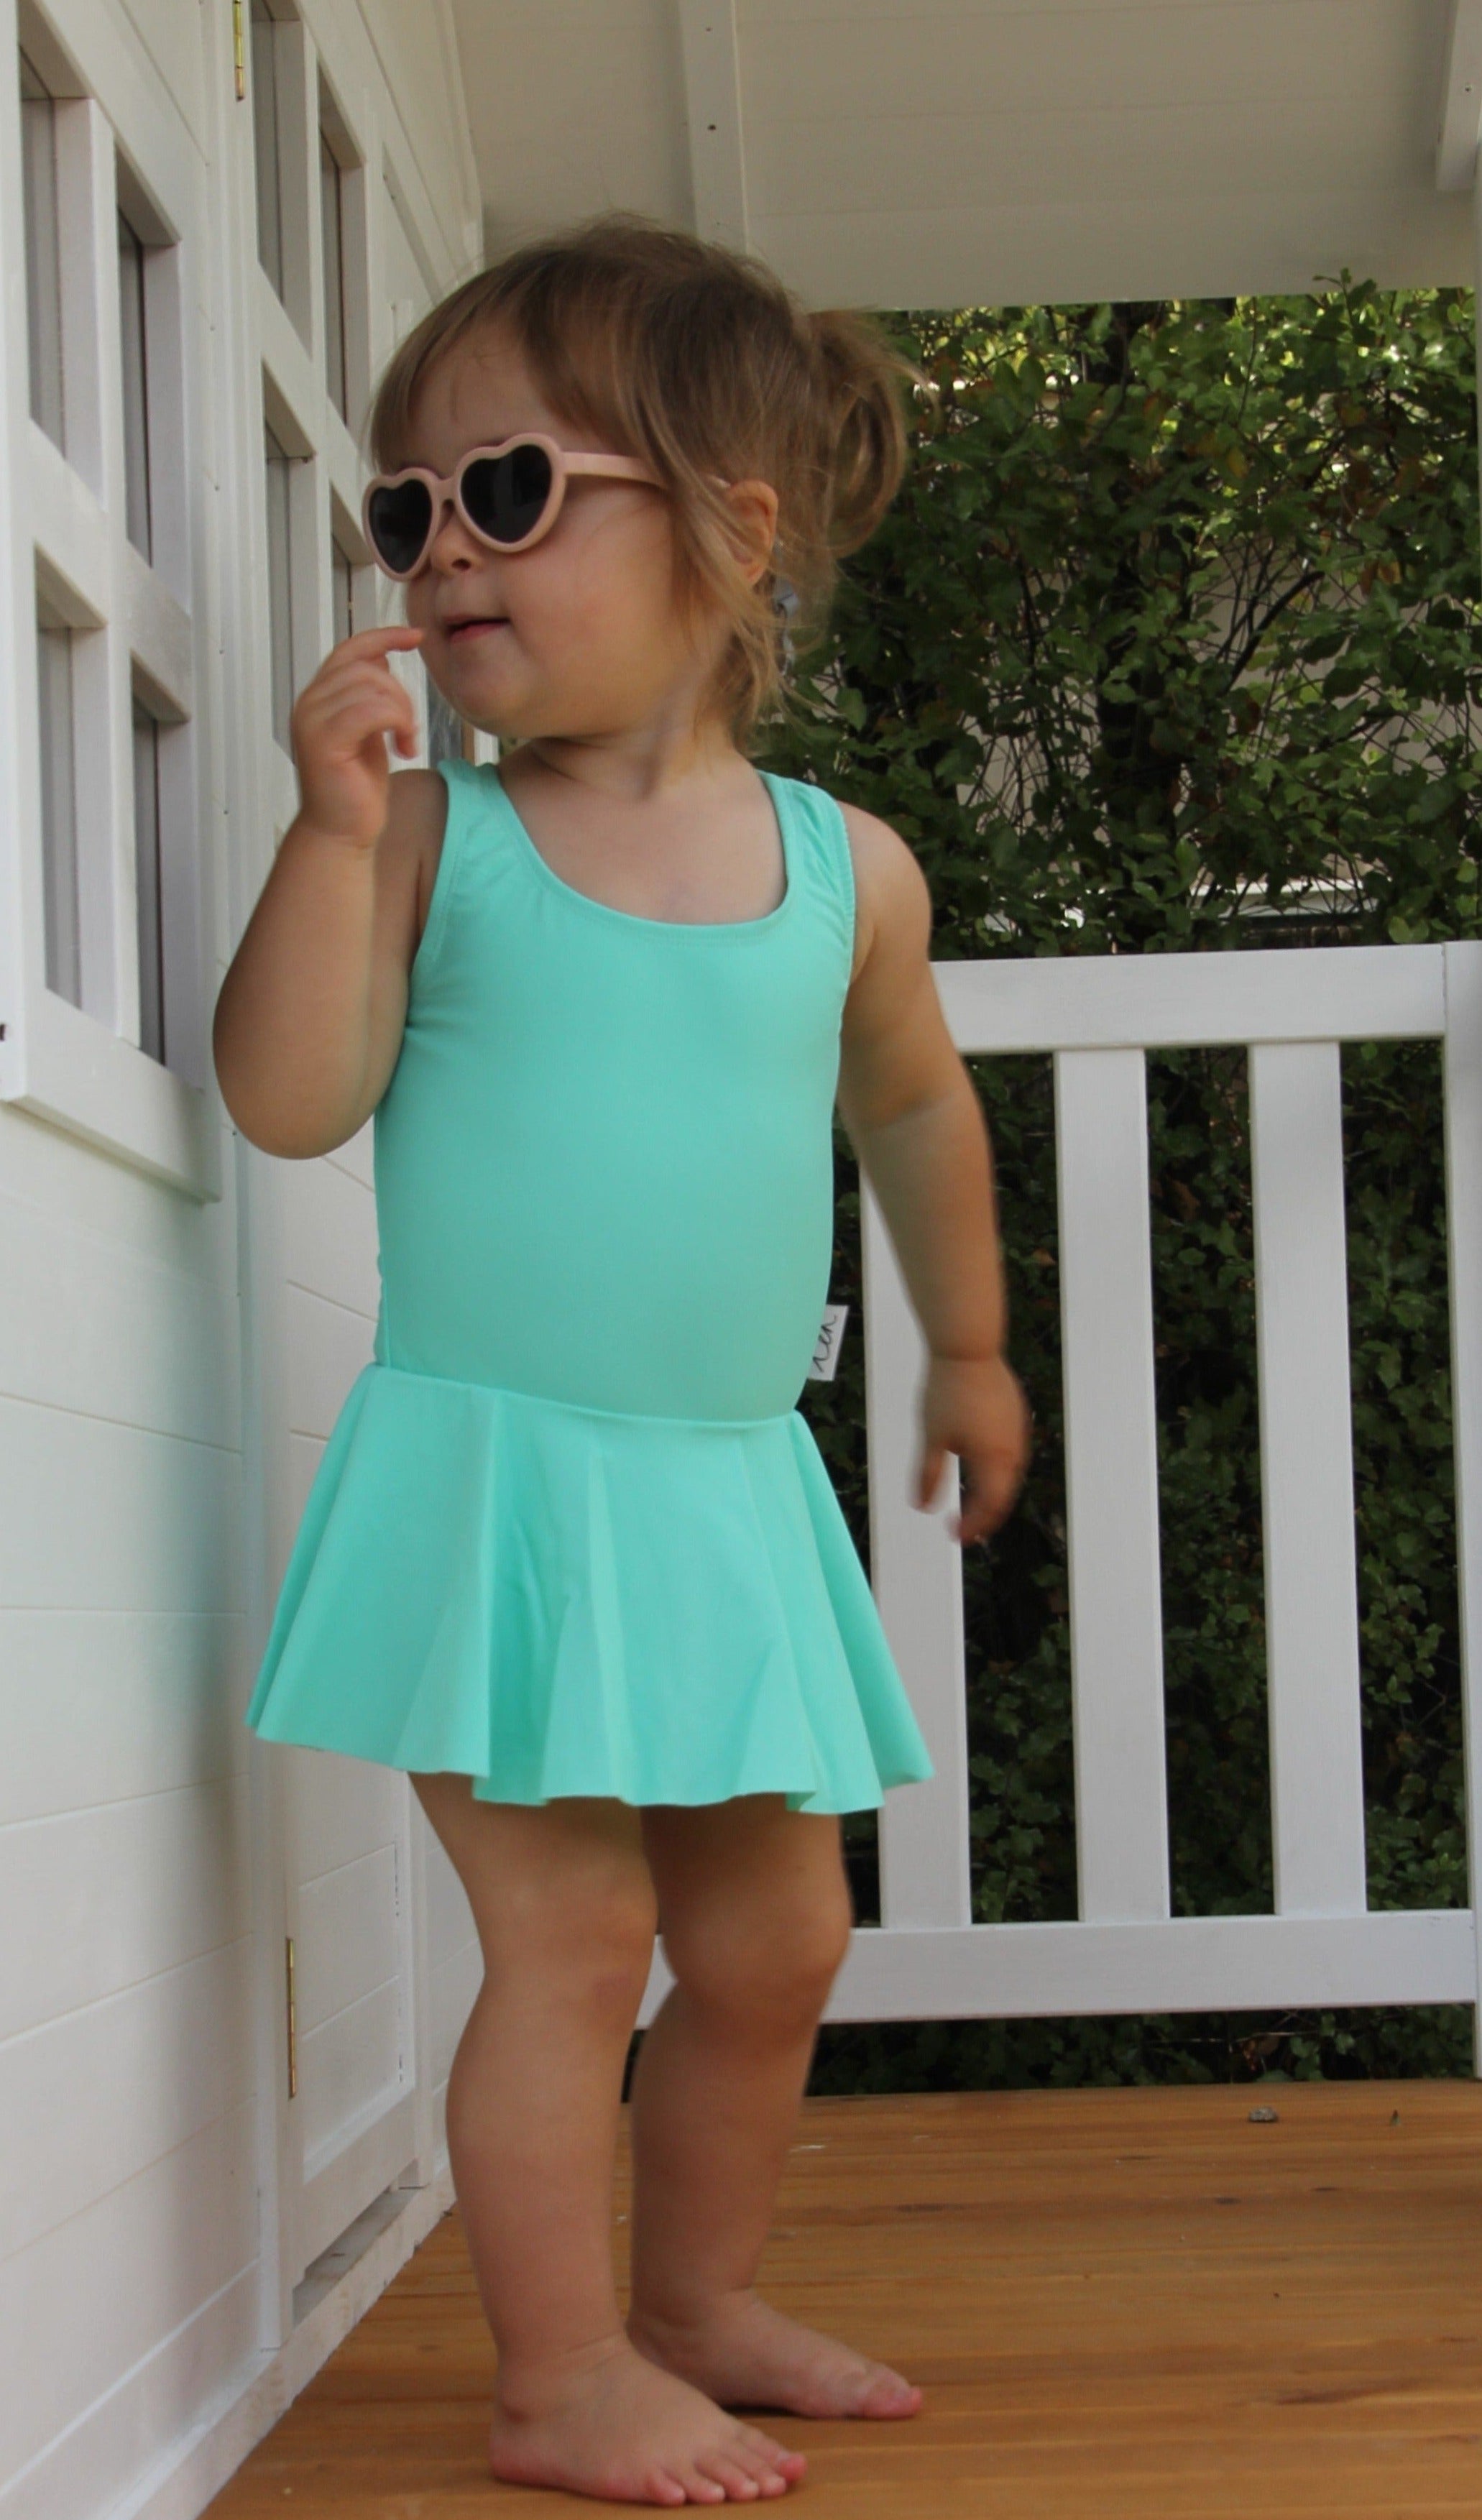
point(859, 407)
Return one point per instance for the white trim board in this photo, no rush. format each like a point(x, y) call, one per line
point(1178, 1964)
point(194, 2469)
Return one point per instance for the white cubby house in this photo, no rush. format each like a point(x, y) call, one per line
point(232, 1977)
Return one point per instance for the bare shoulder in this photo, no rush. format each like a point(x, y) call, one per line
point(895, 1050)
point(409, 850)
point(892, 902)
point(407, 856)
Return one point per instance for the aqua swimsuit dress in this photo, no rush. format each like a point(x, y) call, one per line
point(569, 1534)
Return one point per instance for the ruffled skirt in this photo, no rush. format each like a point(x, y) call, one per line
point(555, 1600)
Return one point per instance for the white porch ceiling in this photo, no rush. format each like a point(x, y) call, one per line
point(935, 152)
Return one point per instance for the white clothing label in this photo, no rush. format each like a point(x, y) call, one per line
point(829, 1340)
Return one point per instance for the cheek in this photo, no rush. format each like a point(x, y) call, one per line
point(611, 594)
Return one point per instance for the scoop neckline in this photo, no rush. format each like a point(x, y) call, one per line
point(769, 918)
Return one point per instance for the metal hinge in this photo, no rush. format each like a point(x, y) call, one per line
point(293, 2026)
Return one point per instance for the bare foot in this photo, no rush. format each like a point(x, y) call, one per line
point(746, 2353)
point(613, 2426)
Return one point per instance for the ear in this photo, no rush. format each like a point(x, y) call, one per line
point(753, 507)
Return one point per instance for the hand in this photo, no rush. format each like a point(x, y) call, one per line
point(338, 728)
point(974, 1406)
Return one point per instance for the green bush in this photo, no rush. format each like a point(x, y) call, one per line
point(1171, 643)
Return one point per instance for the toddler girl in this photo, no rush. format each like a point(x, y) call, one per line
point(572, 1557)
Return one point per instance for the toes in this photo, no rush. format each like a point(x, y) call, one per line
point(760, 2446)
point(697, 2487)
point(886, 2393)
point(738, 2482)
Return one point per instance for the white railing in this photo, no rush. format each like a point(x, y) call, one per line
point(1125, 1953)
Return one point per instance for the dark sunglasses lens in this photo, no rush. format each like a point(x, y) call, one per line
point(398, 521)
point(506, 495)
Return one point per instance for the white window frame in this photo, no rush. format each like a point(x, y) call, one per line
point(346, 546)
point(50, 362)
point(404, 201)
point(328, 472)
point(62, 529)
point(295, 119)
point(333, 129)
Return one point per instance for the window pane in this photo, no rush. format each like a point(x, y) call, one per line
point(147, 883)
point(280, 585)
point(333, 222)
point(43, 259)
point(136, 425)
point(59, 812)
point(265, 146)
point(344, 577)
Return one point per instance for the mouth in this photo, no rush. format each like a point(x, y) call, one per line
point(474, 626)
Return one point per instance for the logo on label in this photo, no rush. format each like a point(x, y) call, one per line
point(831, 1339)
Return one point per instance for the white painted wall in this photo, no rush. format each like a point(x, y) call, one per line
point(179, 1318)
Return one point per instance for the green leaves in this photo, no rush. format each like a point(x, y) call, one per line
point(1180, 593)
point(1172, 642)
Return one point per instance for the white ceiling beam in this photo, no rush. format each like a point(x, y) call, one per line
point(1460, 120)
point(712, 97)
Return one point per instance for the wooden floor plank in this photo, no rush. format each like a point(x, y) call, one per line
point(1117, 2302)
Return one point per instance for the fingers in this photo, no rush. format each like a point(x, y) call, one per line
point(351, 724)
point(352, 698)
point(992, 1484)
point(377, 642)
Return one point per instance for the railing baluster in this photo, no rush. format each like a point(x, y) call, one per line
point(1464, 1220)
point(1111, 1485)
point(917, 1569)
point(1307, 1501)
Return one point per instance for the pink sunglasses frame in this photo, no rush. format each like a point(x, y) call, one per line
point(446, 490)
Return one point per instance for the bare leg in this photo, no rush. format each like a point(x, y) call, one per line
point(563, 1903)
point(754, 1908)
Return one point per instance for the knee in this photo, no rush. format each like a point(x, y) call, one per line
point(763, 1970)
point(587, 1942)
point(609, 1951)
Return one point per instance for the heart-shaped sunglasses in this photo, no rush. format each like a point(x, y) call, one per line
point(508, 496)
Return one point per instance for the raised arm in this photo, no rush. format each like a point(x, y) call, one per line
point(309, 1020)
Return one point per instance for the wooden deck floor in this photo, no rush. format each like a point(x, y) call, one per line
point(1118, 2303)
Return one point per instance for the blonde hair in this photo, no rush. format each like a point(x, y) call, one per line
point(701, 362)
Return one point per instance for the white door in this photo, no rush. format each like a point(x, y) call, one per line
point(352, 2118)
point(363, 1996)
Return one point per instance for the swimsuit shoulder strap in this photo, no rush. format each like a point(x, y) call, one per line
point(461, 780)
point(820, 851)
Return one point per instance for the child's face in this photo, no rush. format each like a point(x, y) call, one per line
point(587, 638)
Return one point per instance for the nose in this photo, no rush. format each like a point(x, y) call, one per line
point(462, 551)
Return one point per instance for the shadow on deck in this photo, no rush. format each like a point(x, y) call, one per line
point(1117, 2302)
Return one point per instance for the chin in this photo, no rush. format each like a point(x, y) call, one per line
point(486, 700)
